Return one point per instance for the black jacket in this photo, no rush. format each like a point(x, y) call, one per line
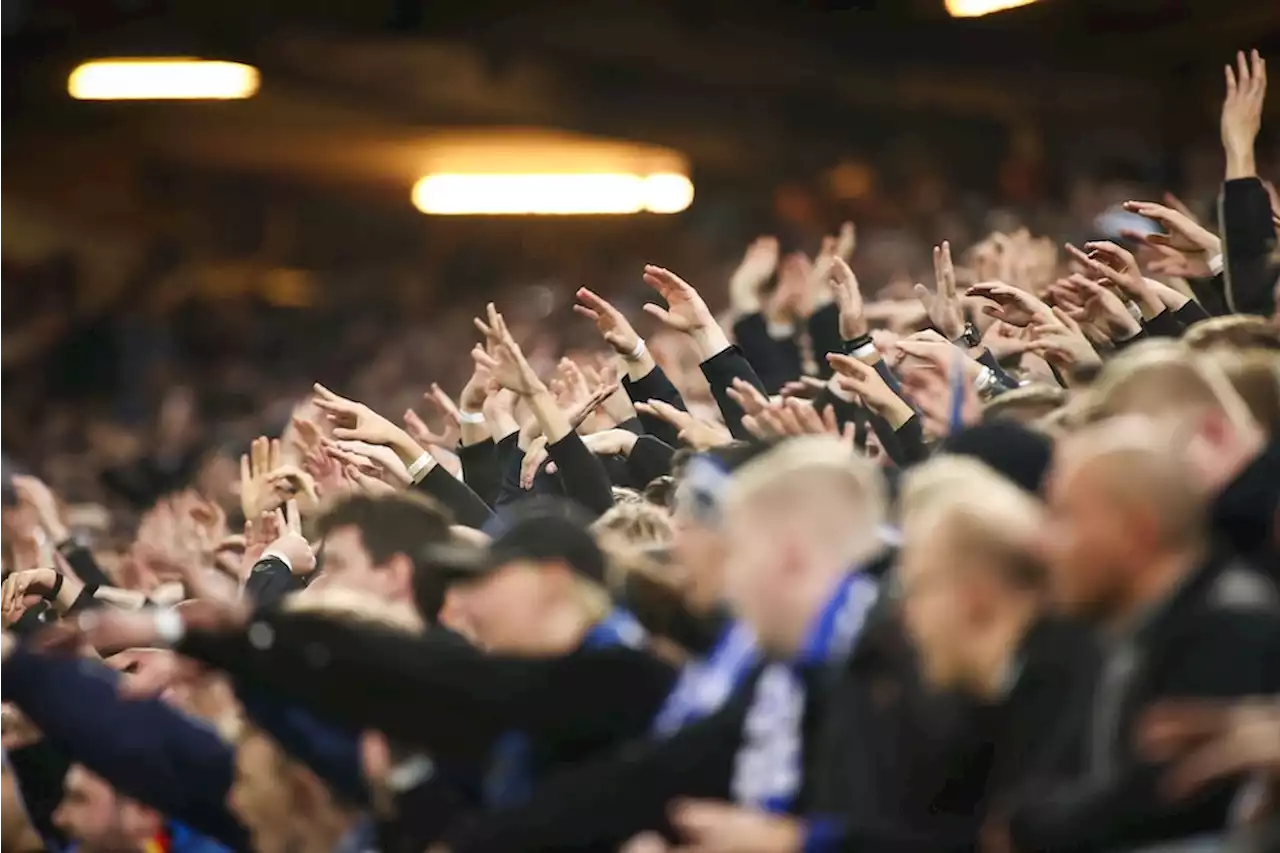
point(1218, 635)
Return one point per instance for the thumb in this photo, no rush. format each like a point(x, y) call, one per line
point(344, 433)
point(923, 294)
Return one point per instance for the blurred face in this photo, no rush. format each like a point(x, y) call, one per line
point(347, 564)
point(259, 796)
point(699, 550)
point(934, 608)
point(506, 607)
point(92, 815)
point(1089, 542)
point(759, 558)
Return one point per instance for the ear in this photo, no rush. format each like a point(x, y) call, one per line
point(400, 577)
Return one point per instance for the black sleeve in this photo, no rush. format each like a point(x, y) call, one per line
point(1192, 312)
point(632, 425)
point(1128, 342)
point(824, 332)
point(467, 507)
point(1248, 239)
point(1163, 325)
point(270, 581)
point(1211, 294)
point(583, 474)
point(480, 469)
point(776, 361)
point(655, 385)
point(446, 698)
point(720, 370)
point(81, 561)
point(649, 459)
point(509, 459)
point(601, 803)
point(910, 439)
point(1130, 808)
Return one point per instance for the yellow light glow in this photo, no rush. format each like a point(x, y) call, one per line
point(174, 78)
point(978, 8)
point(552, 194)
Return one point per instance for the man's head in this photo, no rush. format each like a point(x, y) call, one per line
point(541, 573)
point(795, 519)
point(1188, 394)
point(282, 804)
point(1121, 498)
point(969, 570)
point(98, 819)
point(382, 545)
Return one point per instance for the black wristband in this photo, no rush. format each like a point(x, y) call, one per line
point(85, 600)
point(851, 347)
point(52, 594)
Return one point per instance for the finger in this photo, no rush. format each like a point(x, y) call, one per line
point(274, 454)
point(947, 280)
point(1231, 82)
point(245, 476)
point(323, 393)
point(926, 298)
point(593, 316)
point(1220, 757)
point(293, 516)
point(660, 314)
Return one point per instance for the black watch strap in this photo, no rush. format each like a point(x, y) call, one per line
point(969, 337)
point(52, 594)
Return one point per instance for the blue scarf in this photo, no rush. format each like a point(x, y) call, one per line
point(768, 769)
point(705, 684)
point(511, 773)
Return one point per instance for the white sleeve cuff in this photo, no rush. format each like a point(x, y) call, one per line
point(420, 467)
point(273, 554)
point(170, 629)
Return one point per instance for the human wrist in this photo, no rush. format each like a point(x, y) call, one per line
point(170, 627)
point(635, 353)
point(1240, 164)
point(709, 341)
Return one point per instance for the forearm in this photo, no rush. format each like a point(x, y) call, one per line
point(553, 420)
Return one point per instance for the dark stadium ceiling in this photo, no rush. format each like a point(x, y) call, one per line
point(350, 86)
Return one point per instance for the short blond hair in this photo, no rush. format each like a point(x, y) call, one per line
point(1153, 378)
point(811, 468)
point(981, 513)
point(1240, 331)
point(633, 525)
point(1255, 375)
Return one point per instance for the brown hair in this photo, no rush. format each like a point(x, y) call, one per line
point(402, 523)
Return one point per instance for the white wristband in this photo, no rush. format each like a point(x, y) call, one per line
point(1134, 311)
point(474, 418)
point(420, 467)
point(169, 626)
point(865, 351)
point(1215, 264)
point(273, 554)
point(637, 353)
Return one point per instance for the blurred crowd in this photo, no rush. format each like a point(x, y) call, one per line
point(750, 559)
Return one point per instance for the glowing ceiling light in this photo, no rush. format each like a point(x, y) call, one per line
point(978, 8)
point(173, 78)
point(552, 194)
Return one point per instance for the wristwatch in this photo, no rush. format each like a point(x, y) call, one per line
point(970, 337)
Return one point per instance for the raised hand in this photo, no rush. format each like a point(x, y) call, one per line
point(758, 264)
point(1013, 304)
point(1064, 344)
point(1242, 113)
point(290, 541)
point(1106, 260)
point(356, 421)
point(685, 312)
point(1186, 246)
point(943, 306)
point(613, 325)
point(39, 499)
point(506, 363)
point(1099, 307)
point(863, 380)
point(610, 442)
point(257, 494)
point(293, 481)
point(693, 431)
point(832, 272)
point(747, 396)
